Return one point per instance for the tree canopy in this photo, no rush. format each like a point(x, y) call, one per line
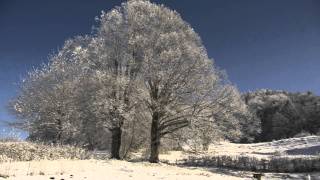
point(143, 67)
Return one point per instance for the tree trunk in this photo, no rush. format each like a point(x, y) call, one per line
point(59, 131)
point(205, 146)
point(116, 142)
point(57, 140)
point(155, 139)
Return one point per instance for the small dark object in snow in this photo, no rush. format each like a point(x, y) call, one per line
point(4, 176)
point(51, 178)
point(258, 176)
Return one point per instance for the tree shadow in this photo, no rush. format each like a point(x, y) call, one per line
point(313, 150)
point(295, 176)
point(231, 172)
point(221, 171)
point(249, 174)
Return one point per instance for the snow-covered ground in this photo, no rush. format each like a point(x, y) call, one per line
point(309, 145)
point(123, 170)
point(304, 146)
point(110, 169)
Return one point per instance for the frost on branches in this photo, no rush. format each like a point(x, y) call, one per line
point(143, 67)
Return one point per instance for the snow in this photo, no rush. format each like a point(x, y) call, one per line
point(138, 170)
point(98, 170)
point(309, 145)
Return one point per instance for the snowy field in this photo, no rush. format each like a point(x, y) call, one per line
point(100, 170)
point(309, 145)
point(123, 170)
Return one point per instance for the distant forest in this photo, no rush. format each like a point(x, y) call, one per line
point(284, 114)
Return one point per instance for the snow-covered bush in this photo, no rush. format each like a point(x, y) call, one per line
point(303, 134)
point(26, 151)
point(282, 164)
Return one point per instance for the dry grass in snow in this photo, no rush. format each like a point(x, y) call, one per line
point(27, 151)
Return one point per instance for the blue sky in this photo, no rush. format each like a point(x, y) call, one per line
point(260, 43)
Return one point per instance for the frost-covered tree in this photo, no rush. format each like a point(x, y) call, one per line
point(227, 119)
point(116, 66)
point(46, 105)
point(43, 106)
point(101, 77)
point(143, 64)
point(177, 75)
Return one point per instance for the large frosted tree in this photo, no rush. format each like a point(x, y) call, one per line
point(142, 61)
point(178, 78)
point(100, 75)
point(116, 69)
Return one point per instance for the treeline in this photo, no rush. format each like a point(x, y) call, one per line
point(142, 78)
point(284, 114)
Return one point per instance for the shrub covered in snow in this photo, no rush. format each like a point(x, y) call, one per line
point(285, 164)
point(27, 151)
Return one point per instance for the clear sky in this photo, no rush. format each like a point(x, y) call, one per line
point(272, 44)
